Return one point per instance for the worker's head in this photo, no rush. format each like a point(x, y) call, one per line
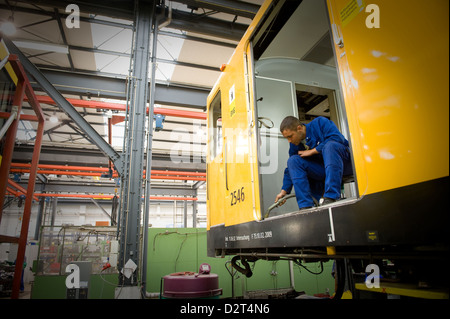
point(293, 130)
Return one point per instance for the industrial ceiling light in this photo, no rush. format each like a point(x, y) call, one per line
point(42, 46)
point(53, 119)
point(8, 28)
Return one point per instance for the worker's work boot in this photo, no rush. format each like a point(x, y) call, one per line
point(325, 201)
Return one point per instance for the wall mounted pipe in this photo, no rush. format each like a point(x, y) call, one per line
point(102, 169)
point(99, 105)
point(19, 188)
point(163, 176)
point(101, 196)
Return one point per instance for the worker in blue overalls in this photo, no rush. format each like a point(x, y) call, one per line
point(319, 156)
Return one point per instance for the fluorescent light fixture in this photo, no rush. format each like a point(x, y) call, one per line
point(53, 119)
point(42, 46)
point(8, 27)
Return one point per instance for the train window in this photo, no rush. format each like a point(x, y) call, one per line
point(215, 126)
point(313, 102)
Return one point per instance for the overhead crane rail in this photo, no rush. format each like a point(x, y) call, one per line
point(99, 171)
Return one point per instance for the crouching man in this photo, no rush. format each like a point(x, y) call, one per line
point(319, 156)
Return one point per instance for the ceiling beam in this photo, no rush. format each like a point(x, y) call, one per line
point(196, 39)
point(208, 26)
point(237, 8)
point(114, 9)
point(181, 20)
point(93, 157)
point(124, 9)
point(114, 87)
point(107, 187)
point(124, 54)
point(47, 86)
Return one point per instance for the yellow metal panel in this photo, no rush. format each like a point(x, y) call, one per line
point(230, 189)
point(238, 208)
point(4, 53)
point(215, 201)
point(331, 250)
point(406, 290)
point(395, 81)
point(347, 295)
point(233, 180)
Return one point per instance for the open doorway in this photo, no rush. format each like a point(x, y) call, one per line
point(295, 75)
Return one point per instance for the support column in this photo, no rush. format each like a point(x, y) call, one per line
point(54, 210)
point(40, 215)
point(133, 154)
point(194, 211)
point(185, 213)
point(148, 166)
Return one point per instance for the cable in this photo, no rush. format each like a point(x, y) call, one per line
point(182, 243)
point(108, 282)
point(231, 270)
point(159, 234)
point(245, 270)
point(298, 263)
point(262, 123)
point(179, 251)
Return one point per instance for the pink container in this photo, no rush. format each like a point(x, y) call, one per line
point(188, 285)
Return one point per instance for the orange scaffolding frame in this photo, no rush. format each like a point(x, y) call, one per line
point(23, 88)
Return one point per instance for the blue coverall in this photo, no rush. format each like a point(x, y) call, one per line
point(318, 175)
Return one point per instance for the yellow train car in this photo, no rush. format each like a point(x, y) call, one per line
point(379, 69)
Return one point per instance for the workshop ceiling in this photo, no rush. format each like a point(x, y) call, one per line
point(92, 63)
point(201, 36)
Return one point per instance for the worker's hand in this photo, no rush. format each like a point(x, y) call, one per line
point(308, 153)
point(279, 196)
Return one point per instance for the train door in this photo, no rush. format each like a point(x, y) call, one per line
point(276, 99)
point(232, 165)
point(241, 177)
point(216, 164)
